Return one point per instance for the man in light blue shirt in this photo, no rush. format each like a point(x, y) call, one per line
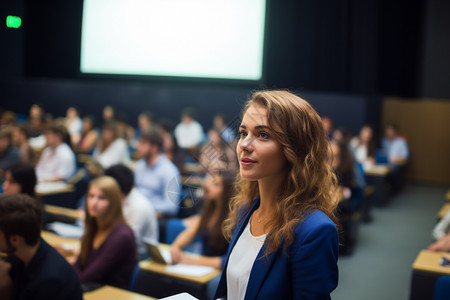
point(156, 177)
point(395, 146)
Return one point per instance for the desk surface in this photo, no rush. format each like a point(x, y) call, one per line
point(443, 210)
point(62, 211)
point(109, 292)
point(52, 188)
point(149, 265)
point(428, 261)
point(447, 196)
point(378, 170)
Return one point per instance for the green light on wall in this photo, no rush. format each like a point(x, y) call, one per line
point(13, 22)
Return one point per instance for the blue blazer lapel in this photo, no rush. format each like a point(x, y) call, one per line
point(260, 269)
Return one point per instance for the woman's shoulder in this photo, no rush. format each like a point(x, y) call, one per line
point(121, 232)
point(314, 221)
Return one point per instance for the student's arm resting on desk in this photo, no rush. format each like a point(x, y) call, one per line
point(119, 246)
point(314, 262)
point(184, 239)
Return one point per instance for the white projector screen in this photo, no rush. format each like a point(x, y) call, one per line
point(183, 38)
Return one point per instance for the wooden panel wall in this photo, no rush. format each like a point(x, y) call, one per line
point(426, 125)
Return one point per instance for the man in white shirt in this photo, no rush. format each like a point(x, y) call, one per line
point(189, 133)
point(57, 161)
point(395, 146)
point(137, 210)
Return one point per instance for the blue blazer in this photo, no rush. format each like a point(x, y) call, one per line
point(307, 269)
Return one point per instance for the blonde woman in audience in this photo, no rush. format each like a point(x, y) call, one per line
point(108, 249)
point(111, 149)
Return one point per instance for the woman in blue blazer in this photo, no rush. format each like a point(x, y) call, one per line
point(283, 237)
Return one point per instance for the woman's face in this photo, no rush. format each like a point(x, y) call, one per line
point(213, 187)
point(108, 134)
point(365, 134)
point(260, 154)
point(10, 186)
point(97, 204)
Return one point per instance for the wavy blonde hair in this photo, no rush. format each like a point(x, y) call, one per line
point(310, 183)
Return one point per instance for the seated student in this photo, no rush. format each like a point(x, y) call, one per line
point(217, 193)
point(33, 270)
point(156, 177)
point(9, 154)
point(20, 178)
point(111, 149)
point(20, 140)
point(171, 149)
point(226, 132)
point(137, 210)
point(57, 161)
point(108, 248)
point(395, 147)
point(441, 234)
point(89, 136)
point(363, 146)
point(189, 133)
point(217, 154)
point(73, 124)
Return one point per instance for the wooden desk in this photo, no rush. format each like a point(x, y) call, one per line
point(426, 270)
point(376, 176)
point(109, 292)
point(56, 240)
point(53, 188)
point(62, 211)
point(447, 196)
point(443, 211)
point(154, 280)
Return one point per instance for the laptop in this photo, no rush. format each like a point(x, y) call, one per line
point(160, 256)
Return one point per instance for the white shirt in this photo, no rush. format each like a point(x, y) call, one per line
point(241, 262)
point(56, 163)
point(141, 217)
point(189, 135)
point(116, 153)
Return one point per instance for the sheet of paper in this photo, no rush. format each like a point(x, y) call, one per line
point(66, 230)
point(48, 187)
point(189, 270)
point(182, 296)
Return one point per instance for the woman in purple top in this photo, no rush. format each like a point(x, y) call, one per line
point(108, 249)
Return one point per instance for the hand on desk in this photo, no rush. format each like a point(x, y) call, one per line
point(443, 244)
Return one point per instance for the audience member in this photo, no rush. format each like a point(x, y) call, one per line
point(111, 149)
point(343, 167)
point(363, 146)
point(156, 176)
point(36, 130)
point(217, 154)
point(57, 161)
point(9, 155)
point(145, 123)
point(137, 210)
point(395, 146)
point(108, 249)
point(189, 132)
point(8, 118)
point(108, 114)
point(217, 190)
point(124, 129)
point(226, 132)
point(441, 233)
point(33, 270)
point(170, 146)
point(73, 124)
point(328, 126)
point(20, 178)
point(20, 141)
point(89, 136)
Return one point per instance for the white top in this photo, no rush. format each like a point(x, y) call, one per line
point(189, 135)
point(74, 126)
point(56, 163)
point(442, 228)
point(241, 262)
point(359, 150)
point(116, 153)
point(141, 217)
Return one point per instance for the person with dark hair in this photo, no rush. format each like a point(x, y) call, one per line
point(170, 146)
point(281, 226)
point(20, 140)
point(9, 154)
point(363, 146)
point(395, 146)
point(220, 124)
point(108, 248)
point(89, 136)
point(33, 270)
point(189, 132)
point(217, 194)
point(137, 210)
point(157, 177)
point(217, 154)
point(20, 178)
point(57, 161)
point(73, 124)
